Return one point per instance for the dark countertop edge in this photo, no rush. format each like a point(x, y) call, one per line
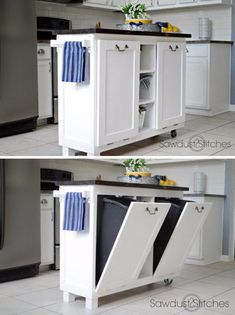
point(121, 184)
point(203, 195)
point(209, 42)
point(121, 32)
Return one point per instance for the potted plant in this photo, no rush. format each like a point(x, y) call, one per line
point(136, 168)
point(136, 12)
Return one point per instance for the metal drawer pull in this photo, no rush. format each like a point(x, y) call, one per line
point(41, 52)
point(199, 210)
point(122, 50)
point(174, 49)
point(151, 212)
point(44, 202)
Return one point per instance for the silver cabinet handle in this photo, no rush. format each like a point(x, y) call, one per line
point(41, 52)
point(49, 66)
point(151, 212)
point(44, 202)
point(174, 49)
point(187, 51)
point(121, 50)
point(200, 210)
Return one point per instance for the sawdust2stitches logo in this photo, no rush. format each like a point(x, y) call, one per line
point(192, 303)
point(196, 143)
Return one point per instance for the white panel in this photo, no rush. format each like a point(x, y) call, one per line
point(170, 84)
point(118, 90)
point(47, 237)
point(190, 222)
point(197, 82)
point(139, 228)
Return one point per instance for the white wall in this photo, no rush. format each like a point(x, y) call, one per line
point(187, 20)
point(80, 17)
point(182, 172)
point(85, 169)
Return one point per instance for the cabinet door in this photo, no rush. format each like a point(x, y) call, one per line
point(170, 84)
point(197, 83)
point(131, 249)
point(44, 89)
point(47, 237)
point(189, 224)
point(118, 90)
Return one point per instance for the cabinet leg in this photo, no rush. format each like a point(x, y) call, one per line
point(68, 297)
point(68, 152)
point(91, 304)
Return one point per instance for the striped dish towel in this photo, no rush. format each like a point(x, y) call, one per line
point(74, 62)
point(74, 212)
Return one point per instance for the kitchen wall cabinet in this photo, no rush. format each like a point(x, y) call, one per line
point(127, 73)
point(47, 229)
point(44, 81)
point(123, 272)
point(207, 247)
point(207, 78)
point(170, 84)
point(174, 4)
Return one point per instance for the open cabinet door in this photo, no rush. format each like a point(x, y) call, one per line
point(133, 244)
point(191, 220)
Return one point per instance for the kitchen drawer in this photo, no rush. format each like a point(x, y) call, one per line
point(197, 50)
point(43, 51)
point(46, 201)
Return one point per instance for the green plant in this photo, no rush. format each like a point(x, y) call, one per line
point(135, 10)
point(135, 165)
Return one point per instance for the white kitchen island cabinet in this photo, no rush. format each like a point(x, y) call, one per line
point(131, 259)
point(129, 72)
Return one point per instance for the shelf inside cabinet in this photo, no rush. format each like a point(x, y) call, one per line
point(146, 101)
point(147, 58)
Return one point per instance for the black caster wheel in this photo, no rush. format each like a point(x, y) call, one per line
point(168, 281)
point(173, 134)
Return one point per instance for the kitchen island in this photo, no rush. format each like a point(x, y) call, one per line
point(135, 89)
point(91, 268)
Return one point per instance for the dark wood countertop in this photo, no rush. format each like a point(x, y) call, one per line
point(121, 32)
point(121, 184)
point(209, 42)
point(203, 195)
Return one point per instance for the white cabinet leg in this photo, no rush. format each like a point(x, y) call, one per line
point(68, 152)
point(68, 297)
point(91, 304)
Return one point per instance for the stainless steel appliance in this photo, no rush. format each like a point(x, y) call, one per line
point(19, 219)
point(47, 28)
point(50, 179)
point(18, 67)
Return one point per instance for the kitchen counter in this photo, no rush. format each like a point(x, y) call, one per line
point(122, 32)
point(203, 195)
point(200, 41)
point(122, 184)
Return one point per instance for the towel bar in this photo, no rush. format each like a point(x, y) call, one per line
point(59, 44)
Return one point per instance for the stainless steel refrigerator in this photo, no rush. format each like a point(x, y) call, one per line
point(19, 219)
point(18, 67)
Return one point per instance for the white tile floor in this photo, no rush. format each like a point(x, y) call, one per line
point(217, 135)
point(41, 295)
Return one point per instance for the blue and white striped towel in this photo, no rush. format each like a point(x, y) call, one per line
point(74, 62)
point(74, 212)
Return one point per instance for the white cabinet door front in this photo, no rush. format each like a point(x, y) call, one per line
point(197, 82)
point(189, 224)
point(133, 244)
point(118, 90)
point(47, 237)
point(170, 84)
point(44, 89)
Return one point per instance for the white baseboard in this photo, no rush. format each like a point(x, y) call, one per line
point(232, 108)
point(227, 258)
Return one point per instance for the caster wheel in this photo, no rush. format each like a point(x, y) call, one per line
point(168, 281)
point(173, 134)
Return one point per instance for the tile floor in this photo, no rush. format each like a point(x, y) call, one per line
point(41, 295)
point(208, 136)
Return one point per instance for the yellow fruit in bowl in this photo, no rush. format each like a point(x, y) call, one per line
point(142, 174)
point(137, 21)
